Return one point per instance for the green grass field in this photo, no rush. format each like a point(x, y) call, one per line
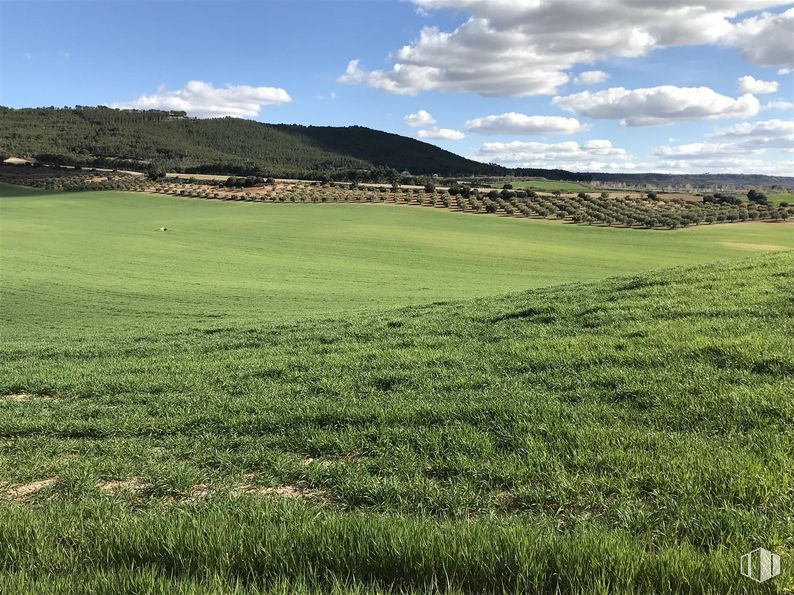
point(369, 398)
point(98, 259)
point(783, 197)
point(548, 185)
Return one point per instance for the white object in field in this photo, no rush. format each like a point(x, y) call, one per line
point(163, 229)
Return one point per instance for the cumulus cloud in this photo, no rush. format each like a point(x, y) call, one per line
point(441, 134)
point(778, 105)
point(203, 100)
point(591, 77)
point(739, 148)
point(766, 39)
point(419, 119)
point(702, 151)
point(748, 84)
point(515, 123)
point(592, 155)
point(775, 134)
point(731, 165)
point(658, 105)
point(510, 47)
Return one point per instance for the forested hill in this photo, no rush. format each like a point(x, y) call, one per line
point(694, 180)
point(133, 139)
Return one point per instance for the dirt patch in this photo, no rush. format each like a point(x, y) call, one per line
point(22, 492)
point(22, 397)
point(755, 247)
point(113, 486)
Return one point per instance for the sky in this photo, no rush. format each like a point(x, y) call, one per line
point(676, 86)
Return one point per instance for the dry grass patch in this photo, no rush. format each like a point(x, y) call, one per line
point(21, 492)
point(22, 397)
point(755, 247)
point(321, 463)
point(135, 485)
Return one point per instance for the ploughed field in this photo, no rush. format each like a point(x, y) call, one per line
point(302, 398)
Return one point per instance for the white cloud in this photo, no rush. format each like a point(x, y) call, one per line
point(419, 119)
point(203, 100)
point(742, 148)
point(776, 134)
point(658, 105)
point(766, 39)
point(352, 74)
point(441, 134)
point(702, 151)
point(748, 84)
point(512, 47)
point(515, 123)
point(778, 105)
point(592, 155)
point(729, 165)
point(591, 77)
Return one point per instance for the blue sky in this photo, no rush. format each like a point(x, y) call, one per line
point(498, 79)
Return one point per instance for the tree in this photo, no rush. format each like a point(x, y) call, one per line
point(155, 172)
point(652, 195)
point(757, 197)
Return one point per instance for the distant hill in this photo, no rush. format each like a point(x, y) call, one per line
point(695, 180)
point(133, 139)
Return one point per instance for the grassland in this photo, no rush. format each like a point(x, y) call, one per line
point(782, 197)
point(549, 185)
point(264, 398)
point(98, 259)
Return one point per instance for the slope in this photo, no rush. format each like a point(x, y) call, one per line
point(131, 138)
point(630, 435)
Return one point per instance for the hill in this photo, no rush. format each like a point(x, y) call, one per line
point(132, 139)
point(721, 181)
point(629, 435)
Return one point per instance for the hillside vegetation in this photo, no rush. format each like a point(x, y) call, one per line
point(627, 436)
point(133, 139)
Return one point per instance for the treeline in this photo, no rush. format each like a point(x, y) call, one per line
point(736, 181)
point(141, 140)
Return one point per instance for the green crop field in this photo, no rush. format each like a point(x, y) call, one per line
point(782, 197)
point(98, 258)
point(548, 185)
point(297, 398)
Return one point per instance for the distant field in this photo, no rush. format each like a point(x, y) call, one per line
point(778, 198)
point(73, 259)
point(552, 185)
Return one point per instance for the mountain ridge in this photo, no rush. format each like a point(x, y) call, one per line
point(135, 139)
